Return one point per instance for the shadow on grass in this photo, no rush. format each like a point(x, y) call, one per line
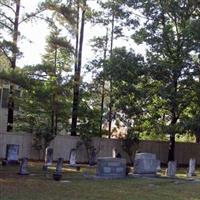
point(39, 185)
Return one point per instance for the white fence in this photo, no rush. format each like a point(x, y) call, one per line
point(62, 146)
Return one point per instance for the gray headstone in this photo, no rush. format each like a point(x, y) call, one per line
point(24, 167)
point(191, 170)
point(58, 173)
point(145, 163)
point(145, 156)
point(59, 166)
point(12, 152)
point(171, 170)
point(72, 157)
point(111, 167)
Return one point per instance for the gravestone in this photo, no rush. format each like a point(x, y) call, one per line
point(24, 167)
point(114, 152)
point(48, 160)
point(191, 170)
point(72, 157)
point(12, 154)
point(145, 163)
point(58, 173)
point(109, 167)
point(158, 168)
point(171, 170)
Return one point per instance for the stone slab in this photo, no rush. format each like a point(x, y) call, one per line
point(145, 163)
point(111, 167)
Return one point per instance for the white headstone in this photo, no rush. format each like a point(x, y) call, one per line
point(191, 171)
point(12, 152)
point(48, 156)
point(72, 157)
point(114, 152)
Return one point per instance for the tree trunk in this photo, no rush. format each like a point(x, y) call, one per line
point(52, 122)
point(103, 86)
point(13, 66)
point(171, 152)
point(53, 111)
point(111, 98)
point(197, 137)
point(76, 95)
point(102, 107)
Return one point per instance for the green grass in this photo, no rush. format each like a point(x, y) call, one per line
point(41, 186)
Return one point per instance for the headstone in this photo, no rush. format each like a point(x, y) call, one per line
point(72, 157)
point(114, 152)
point(58, 173)
point(48, 160)
point(145, 163)
point(24, 167)
point(158, 168)
point(171, 170)
point(191, 170)
point(12, 154)
point(111, 167)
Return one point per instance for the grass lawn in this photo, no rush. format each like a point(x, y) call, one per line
point(74, 186)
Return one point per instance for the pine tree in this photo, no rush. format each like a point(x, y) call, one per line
point(10, 20)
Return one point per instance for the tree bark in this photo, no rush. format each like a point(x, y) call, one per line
point(171, 152)
point(76, 96)
point(13, 66)
point(103, 86)
point(197, 137)
point(111, 87)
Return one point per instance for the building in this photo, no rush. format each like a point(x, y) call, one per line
point(4, 94)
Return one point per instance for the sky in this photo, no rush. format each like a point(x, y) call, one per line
point(33, 44)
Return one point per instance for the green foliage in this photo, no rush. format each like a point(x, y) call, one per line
point(130, 144)
point(89, 112)
point(169, 57)
point(128, 74)
point(42, 101)
point(170, 60)
point(154, 97)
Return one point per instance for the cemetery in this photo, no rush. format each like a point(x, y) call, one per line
point(100, 100)
point(110, 177)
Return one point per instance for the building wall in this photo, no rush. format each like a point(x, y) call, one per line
point(3, 119)
point(63, 144)
point(4, 92)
